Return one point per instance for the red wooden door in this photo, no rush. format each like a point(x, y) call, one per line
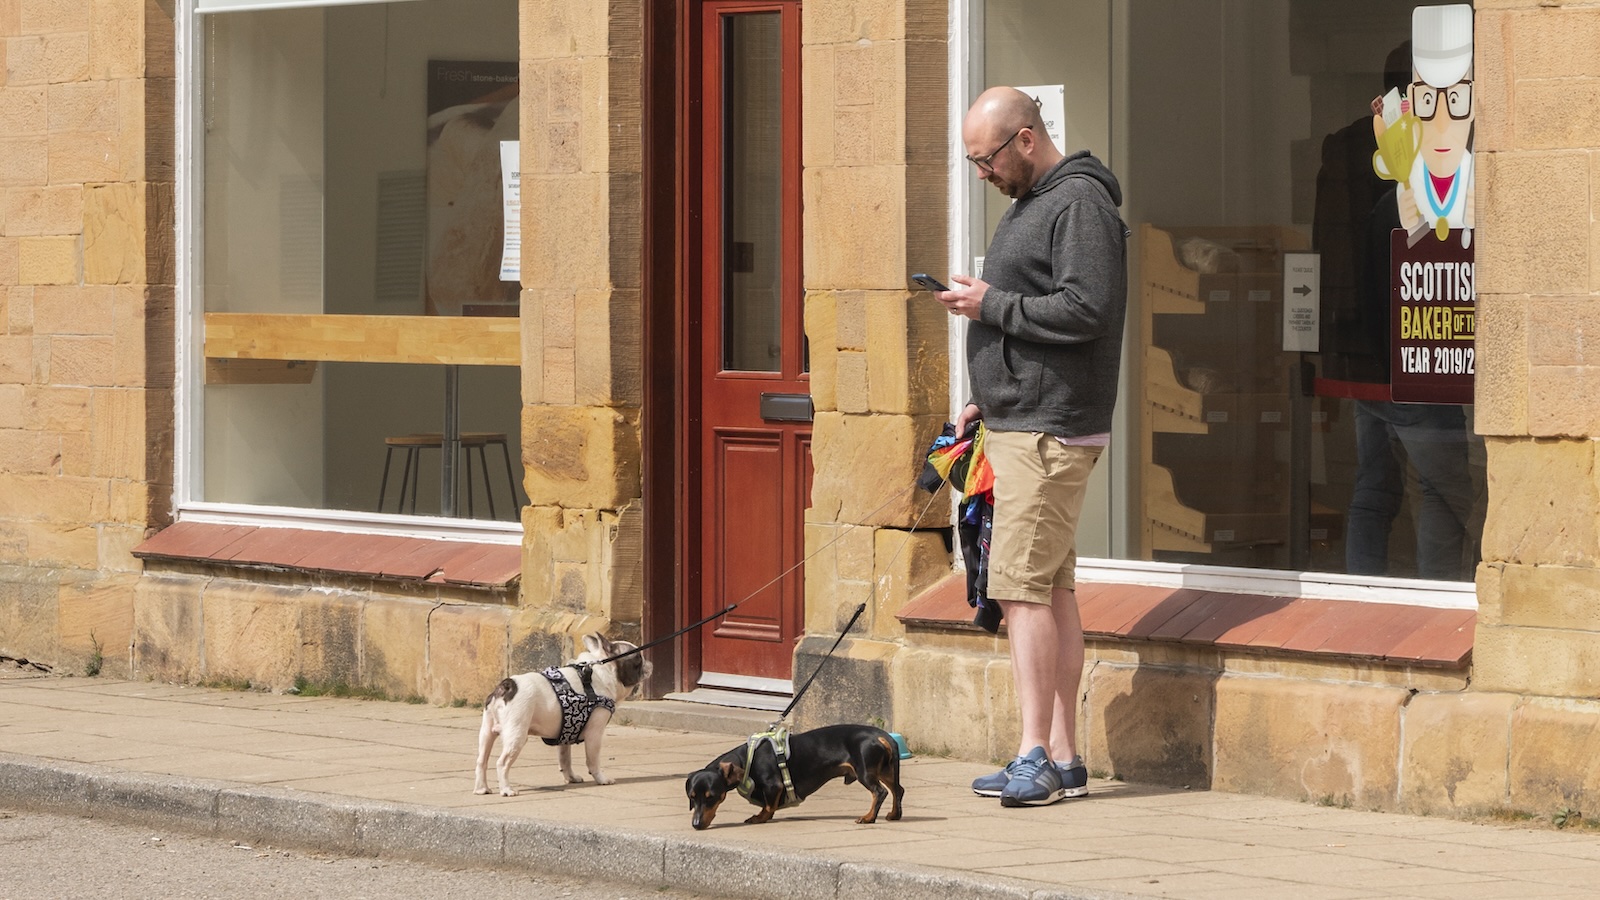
point(747, 341)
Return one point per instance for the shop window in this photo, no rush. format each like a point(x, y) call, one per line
point(353, 296)
point(1243, 133)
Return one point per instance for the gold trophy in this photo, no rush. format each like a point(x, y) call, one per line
point(1399, 135)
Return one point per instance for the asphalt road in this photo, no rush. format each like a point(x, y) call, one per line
point(47, 857)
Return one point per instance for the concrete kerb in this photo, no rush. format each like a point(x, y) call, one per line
point(377, 828)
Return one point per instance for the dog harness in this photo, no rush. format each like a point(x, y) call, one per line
point(778, 737)
point(576, 708)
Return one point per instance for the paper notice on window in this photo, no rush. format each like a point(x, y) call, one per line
point(1052, 100)
point(511, 189)
point(1302, 301)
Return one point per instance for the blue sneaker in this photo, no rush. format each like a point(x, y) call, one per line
point(1034, 782)
point(1074, 778)
point(991, 785)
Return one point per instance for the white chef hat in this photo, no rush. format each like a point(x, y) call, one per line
point(1441, 43)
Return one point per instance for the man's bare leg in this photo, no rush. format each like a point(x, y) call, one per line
point(1063, 744)
point(1032, 633)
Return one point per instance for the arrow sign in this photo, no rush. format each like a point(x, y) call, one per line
point(1302, 301)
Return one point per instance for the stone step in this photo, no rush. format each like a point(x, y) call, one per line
point(681, 715)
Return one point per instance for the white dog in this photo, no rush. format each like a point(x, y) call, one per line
point(563, 706)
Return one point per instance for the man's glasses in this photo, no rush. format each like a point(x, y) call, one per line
point(1425, 100)
point(985, 163)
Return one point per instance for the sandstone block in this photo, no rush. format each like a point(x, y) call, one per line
point(330, 638)
point(72, 308)
point(25, 60)
point(14, 404)
point(940, 702)
point(1453, 758)
point(555, 30)
point(856, 227)
point(42, 16)
point(66, 58)
point(96, 623)
point(113, 234)
point(1555, 42)
point(45, 210)
point(822, 328)
point(819, 114)
point(22, 110)
point(86, 361)
point(907, 354)
point(1558, 114)
point(1495, 125)
point(851, 391)
point(167, 627)
point(1308, 741)
point(865, 467)
point(1555, 755)
point(609, 349)
point(1149, 724)
point(905, 563)
point(48, 260)
point(566, 252)
point(1502, 383)
point(468, 651)
point(394, 645)
point(252, 632)
point(47, 408)
point(116, 541)
point(84, 106)
point(1539, 661)
point(115, 49)
point(839, 22)
point(1549, 597)
point(115, 414)
point(70, 546)
point(1558, 401)
point(1535, 231)
point(854, 685)
point(29, 624)
point(8, 280)
point(24, 161)
point(1534, 487)
point(580, 457)
point(32, 498)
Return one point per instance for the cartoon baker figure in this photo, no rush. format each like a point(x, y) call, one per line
point(1426, 138)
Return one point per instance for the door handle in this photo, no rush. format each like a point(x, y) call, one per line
point(786, 407)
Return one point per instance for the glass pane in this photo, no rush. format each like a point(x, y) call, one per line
point(1262, 456)
point(1245, 132)
point(752, 192)
point(352, 167)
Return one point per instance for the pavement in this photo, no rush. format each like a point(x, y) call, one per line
point(395, 779)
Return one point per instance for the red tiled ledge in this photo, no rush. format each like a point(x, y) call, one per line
point(1402, 633)
point(458, 563)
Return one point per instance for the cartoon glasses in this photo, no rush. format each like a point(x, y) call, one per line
point(1457, 97)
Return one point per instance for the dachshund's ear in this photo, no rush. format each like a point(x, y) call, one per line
point(732, 773)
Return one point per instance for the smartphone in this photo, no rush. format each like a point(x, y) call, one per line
point(928, 282)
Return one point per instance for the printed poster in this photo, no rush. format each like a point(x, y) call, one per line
point(472, 109)
point(1425, 147)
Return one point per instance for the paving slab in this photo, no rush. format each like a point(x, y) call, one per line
point(381, 778)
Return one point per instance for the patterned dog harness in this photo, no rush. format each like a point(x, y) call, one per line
point(778, 737)
point(576, 708)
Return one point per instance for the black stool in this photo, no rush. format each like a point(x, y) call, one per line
point(411, 470)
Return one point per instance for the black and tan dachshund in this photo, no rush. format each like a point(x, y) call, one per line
point(855, 752)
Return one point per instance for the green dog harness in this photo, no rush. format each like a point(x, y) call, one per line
point(778, 737)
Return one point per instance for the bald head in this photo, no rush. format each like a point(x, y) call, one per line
point(1002, 114)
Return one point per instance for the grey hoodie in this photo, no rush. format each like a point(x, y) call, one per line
point(1044, 355)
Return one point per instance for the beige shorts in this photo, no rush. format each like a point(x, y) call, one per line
point(1039, 485)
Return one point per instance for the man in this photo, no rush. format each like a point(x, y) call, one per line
point(1043, 351)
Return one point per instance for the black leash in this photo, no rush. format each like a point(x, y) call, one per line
point(667, 637)
point(820, 663)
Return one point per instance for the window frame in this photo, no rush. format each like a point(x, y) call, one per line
point(189, 314)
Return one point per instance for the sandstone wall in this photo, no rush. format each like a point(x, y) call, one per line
point(86, 319)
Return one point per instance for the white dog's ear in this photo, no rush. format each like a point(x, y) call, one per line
point(594, 643)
